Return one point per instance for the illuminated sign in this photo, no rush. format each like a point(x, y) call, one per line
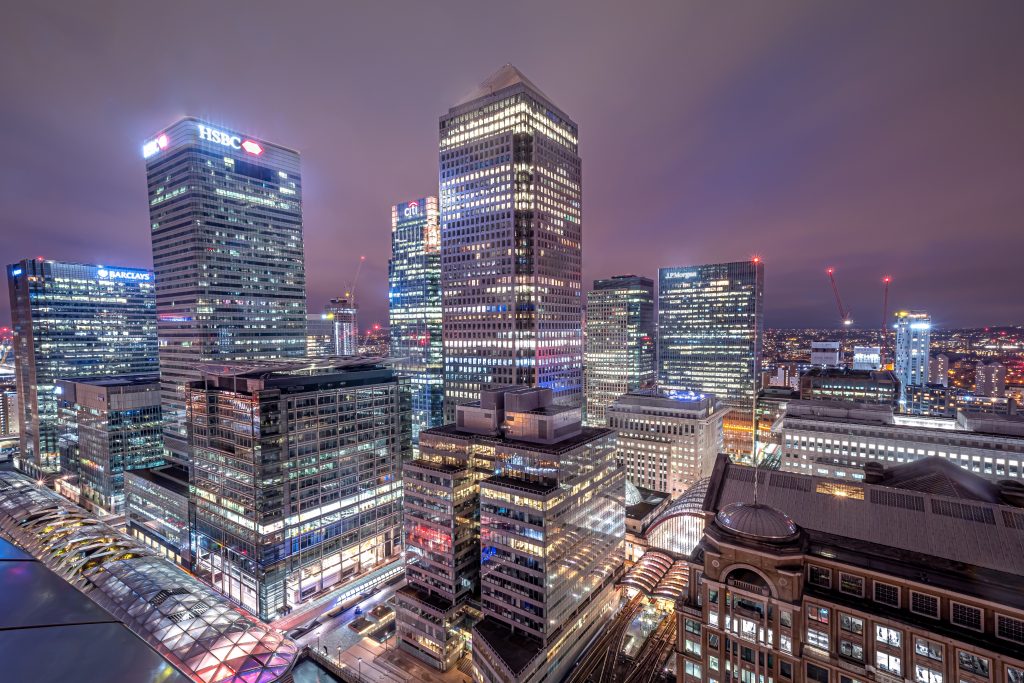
point(411, 210)
point(121, 274)
point(155, 145)
point(228, 140)
point(675, 274)
point(16, 272)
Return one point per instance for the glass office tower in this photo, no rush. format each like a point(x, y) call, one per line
point(296, 478)
point(913, 338)
point(710, 329)
point(73, 320)
point(226, 218)
point(414, 307)
point(510, 243)
point(619, 355)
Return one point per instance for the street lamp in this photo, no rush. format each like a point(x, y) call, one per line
point(360, 669)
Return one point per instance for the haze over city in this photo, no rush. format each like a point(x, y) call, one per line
point(878, 138)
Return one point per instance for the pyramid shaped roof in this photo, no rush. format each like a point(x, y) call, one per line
point(505, 77)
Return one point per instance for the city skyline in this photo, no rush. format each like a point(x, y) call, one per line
point(926, 154)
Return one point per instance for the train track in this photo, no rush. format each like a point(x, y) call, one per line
point(647, 665)
point(598, 664)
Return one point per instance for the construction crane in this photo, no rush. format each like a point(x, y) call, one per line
point(351, 294)
point(885, 315)
point(844, 314)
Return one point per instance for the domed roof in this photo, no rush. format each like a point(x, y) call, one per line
point(760, 522)
point(633, 495)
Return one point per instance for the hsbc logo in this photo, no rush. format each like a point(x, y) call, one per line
point(411, 210)
point(228, 140)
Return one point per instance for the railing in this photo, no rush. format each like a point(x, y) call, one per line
point(749, 587)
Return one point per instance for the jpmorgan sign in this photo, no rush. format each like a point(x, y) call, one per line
point(228, 139)
point(118, 274)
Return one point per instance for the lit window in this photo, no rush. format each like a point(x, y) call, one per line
point(887, 662)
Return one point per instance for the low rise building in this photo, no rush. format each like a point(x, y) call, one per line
point(836, 439)
point(830, 581)
point(834, 384)
point(156, 510)
point(667, 440)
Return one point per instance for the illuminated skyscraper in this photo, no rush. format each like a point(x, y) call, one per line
point(73, 320)
point(226, 217)
point(913, 338)
point(620, 342)
point(710, 329)
point(414, 307)
point(344, 314)
point(510, 243)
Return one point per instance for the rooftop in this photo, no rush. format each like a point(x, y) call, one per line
point(118, 380)
point(505, 77)
point(515, 649)
point(587, 435)
point(171, 477)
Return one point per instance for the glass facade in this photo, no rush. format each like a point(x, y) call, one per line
point(296, 477)
point(913, 339)
point(414, 307)
point(511, 236)
point(711, 327)
point(333, 332)
point(226, 220)
point(73, 320)
point(109, 426)
point(156, 505)
point(620, 342)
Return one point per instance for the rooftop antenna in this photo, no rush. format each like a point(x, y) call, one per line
point(753, 403)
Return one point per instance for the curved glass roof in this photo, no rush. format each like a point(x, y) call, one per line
point(658, 575)
point(633, 495)
point(681, 526)
point(184, 620)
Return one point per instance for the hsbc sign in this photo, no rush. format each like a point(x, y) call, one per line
point(228, 139)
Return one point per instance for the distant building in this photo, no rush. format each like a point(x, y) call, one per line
point(73, 320)
point(903, 576)
point(835, 439)
point(990, 379)
point(711, 329)
point(619, 342)
point(931, 400)
point(867, 358)
point(913, 340)
point(786, 375)
point(868, 386)
point(669, 440)
point(321, 505)
point(825, 354)
point(938, 369)
point(344, 317)
point(225, 212)
point(156, 507)
point(511, 253)
point(8, 408)
point(414, 308)
point(110, 426)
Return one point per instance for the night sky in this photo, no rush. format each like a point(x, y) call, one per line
point(876, 137)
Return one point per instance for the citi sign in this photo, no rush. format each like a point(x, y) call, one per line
point(228, 140)
point(411, 210)
point(114, 274)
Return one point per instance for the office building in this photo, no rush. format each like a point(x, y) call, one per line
point(156, 510)
point(913, 339)
point(321, 337)
point(867, 358)
point(990, 379)
point(825, 354)
point(344, 313)
point(414, 308)
point(197, 632)
point(619, 342)
point(109, 426)
point(786, 375)
point(825, 581)
point(667, 440)
point(511, 207)
point(552, 538)
point(938, 369)
point(711, 328)
point(225, 214)
point(8, 408)
point(932, 400)
point(492, 491)
point(308, 496)
point(73, 320)
point(836, 439)
point(866, 386)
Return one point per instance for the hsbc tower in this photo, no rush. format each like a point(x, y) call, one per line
point(225, 214)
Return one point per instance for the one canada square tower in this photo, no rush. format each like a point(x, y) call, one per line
point(510, 242)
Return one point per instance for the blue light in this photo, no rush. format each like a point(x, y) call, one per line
point(681, 395)
point(16, 272)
